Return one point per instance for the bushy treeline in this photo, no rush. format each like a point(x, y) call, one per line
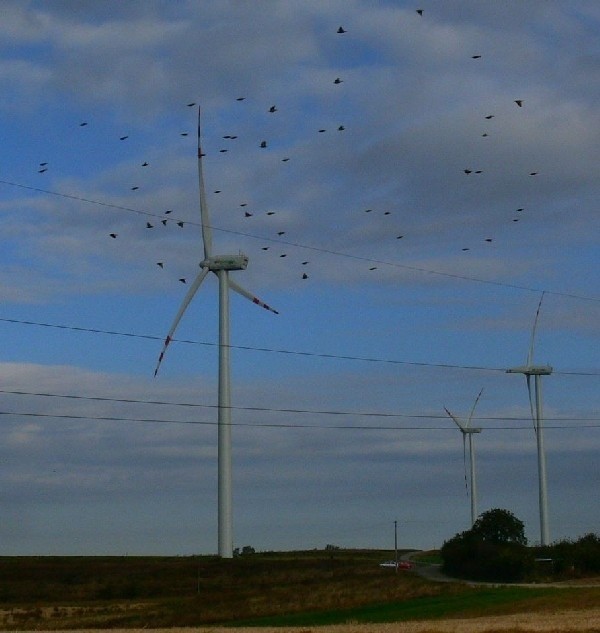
point(495, 549)
point(573, 558)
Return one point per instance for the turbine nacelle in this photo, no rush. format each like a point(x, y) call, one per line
point(531, 370)
point(225, 262)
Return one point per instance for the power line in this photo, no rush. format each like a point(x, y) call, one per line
point(276, 410)
point(277, 425)
point(364, 359)
point(418, 269)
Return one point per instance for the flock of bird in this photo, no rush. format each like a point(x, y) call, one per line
point(272, 110)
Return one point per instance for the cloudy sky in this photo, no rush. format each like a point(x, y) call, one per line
point(422, 280)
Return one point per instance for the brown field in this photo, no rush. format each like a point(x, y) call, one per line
point(586, 621)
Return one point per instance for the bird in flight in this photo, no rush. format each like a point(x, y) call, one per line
point(122, 138)
point(420, 11)
point(272, 109)
point(113, 235)
point(519, 102)
point(263, 144)
point(337, 80)
point(489, 116)
point(341, 30)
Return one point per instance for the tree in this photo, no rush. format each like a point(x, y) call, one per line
point(493, 549)
point(499, 526)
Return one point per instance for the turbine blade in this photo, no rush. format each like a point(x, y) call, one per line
point(186, 301)
point(473, 409)
point(531, 403)
point(465, 462)
point(537, 314)
point(206, 228)
point(242, 291)
point(458, 422)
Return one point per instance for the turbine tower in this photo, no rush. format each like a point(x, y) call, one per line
point(220, 265)
point(537, 371)
point(467, 431)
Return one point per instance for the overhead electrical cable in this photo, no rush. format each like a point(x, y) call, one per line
point(524, 418)
point(280, 425)
point(418, 269)
point(270, 350)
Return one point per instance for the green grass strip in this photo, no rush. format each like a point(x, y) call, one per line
point(469, 604)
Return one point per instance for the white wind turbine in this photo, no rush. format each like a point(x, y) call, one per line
point(537, 371)
point(220, 265)
point(467, 431)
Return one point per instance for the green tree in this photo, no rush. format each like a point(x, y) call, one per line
point(499, 526)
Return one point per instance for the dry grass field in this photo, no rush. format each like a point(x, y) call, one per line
point(298, 592)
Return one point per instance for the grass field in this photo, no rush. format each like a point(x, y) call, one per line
point(268, 589)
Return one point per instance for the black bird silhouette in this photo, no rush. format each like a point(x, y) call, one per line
point(265, 248)
point(485, 134)
point(475, 56)
point(386, 212)
point(304, 276)
point(478, 171)
point(247, 214)
point(337, 80)
point(122, 138)
point(466, 249)
point(399, 237)
point(240, 98)
point(272, 109)
point(43, 164)
point(520, 209)
point(168, 211)
point(368, 210)
point(270, 212)
point(284, 160)
point(113, 235)
point(488, 239)
point(263, 144)
point(182, 280)
point(190, 105)
point(283, 255)
point(144, 164)
point(243, 204)
point(149, 226)
point(280, 233)
point(42, 170)
point(304, 263)
point(180, 224)
point(341, 128)
point(183, 134)
point(533, 173)
point(217, 191)
point(164, 222)
point(222, 151)
point(83, 124)
point(341, 30)
point(322, 130)
point(490, 116)
point(134, 188)
point(373, 268)
point(160, 264)
point(420, 11)
point(468, 171)
point(519, 102)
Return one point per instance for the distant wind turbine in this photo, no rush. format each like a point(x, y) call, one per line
point(220, 265)
point(537, 371)
point(467, 430)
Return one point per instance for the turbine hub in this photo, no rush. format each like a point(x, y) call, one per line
point(531, 370)
point(225, 262)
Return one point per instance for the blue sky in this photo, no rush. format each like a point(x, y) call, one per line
point(368, 350)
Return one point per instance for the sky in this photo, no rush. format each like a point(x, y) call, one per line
point(404, 236)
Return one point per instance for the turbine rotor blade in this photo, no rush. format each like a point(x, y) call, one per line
point(531, 344)
point(473, 409)
point(457, 421)
point(184, 304)
point(206, 228)
point(533, 418)
point(242, 291)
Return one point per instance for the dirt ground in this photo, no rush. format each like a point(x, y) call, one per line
point(587, 621)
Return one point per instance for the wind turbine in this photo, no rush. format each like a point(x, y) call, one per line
point(537, 371)
point(220, 265)
point(467, 431)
